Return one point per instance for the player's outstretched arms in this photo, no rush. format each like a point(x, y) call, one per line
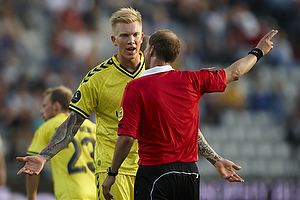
point(242, 66)
point(60, 139)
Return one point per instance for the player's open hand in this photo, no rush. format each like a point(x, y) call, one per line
point(225, 168)
point(33, 165)
point(265, 44)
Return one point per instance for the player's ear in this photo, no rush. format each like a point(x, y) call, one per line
point(57, 106)
point(113, 39)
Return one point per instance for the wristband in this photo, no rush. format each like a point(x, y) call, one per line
point(111, 173)
point(257, 52)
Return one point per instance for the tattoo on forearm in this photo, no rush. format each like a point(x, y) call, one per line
point(206, 151)
point(63, 135)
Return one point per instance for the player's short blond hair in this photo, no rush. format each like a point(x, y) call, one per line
point(60, 94)
point(124, 15)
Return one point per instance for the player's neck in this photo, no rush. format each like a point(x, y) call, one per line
point(129, 64)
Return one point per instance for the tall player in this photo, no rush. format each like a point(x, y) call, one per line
point(101, 90)
point(73, 167)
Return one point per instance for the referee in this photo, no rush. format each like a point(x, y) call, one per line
point(161, 110)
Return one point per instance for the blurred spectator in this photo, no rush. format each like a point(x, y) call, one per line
point(282, 56)
point(267, 98)
point(293, 130)
point(4, 191)
point(210, 110)
point(214, 22)
point(3, 175)
point(246, 22)
point(234, 97)
point(3, 104)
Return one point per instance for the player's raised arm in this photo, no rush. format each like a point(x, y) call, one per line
point(242, 66)
point(60, 139)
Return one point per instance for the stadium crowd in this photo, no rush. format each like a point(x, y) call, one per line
point(49, 43)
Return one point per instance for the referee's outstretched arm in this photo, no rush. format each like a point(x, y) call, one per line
point(242, 66)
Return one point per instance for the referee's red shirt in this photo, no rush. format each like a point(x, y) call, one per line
point(162, 111)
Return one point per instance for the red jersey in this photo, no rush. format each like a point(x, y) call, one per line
point(162, 112)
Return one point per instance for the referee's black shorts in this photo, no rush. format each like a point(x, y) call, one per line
point(174, 181)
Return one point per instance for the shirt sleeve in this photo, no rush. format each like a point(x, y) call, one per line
point(131, 112)
point(85, 98)
point(39, 141)
point(211, 80)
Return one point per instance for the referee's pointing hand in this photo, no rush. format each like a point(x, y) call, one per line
point(265, 44)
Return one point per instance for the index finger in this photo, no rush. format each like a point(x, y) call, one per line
point(271, 34)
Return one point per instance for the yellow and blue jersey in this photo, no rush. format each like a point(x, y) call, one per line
point(101, 91)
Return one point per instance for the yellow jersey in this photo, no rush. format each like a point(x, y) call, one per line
point(73, 167)
point(101, 90)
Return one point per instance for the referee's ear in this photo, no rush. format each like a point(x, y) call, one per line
point(152, 51)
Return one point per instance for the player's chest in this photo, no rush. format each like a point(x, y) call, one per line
point(111, 94)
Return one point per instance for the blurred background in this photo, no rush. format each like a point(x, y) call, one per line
point(255, 123)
